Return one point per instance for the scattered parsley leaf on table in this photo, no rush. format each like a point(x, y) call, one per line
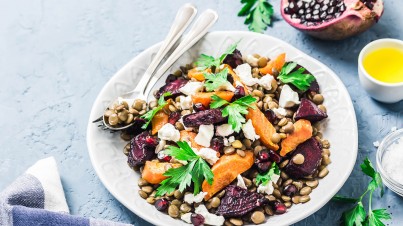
point(149, 115)
point(357, 216)
point(266, 177)
point(214, 81)
point(297, 78)
point(196, 171)
point(258, 14)
point(235, 110)
point(205, 61)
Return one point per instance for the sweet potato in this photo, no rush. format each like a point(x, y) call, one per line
point(226, 170)
point(276, 64)
point(198, 75)
point(158, 121)
point(205, 98)
point(302, 132)
point(189, 136)
point(153, 171)
point(263, 127)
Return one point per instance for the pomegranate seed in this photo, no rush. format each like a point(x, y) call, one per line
point(263, 156)
point(274, 156)
point(161, 204)
point(270, 115)
point(174, 117)
point(262, 167)
point(279, 208)
point(239, 92)
point(197, 219)
point(290, 190)
point(151, 141)
point(163, 157)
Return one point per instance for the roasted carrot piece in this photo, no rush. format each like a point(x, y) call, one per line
point(263, 127)
point(276, 64)
point(153, 171)
point(198, 75)
point(158, 121)
point(205, 98)
point(225, 170)
point(302, 132)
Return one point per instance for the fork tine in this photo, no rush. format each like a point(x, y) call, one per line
point(98, 119)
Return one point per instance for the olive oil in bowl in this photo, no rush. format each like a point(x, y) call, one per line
point(385, 65)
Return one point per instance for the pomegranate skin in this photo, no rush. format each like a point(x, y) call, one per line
point(356, 19)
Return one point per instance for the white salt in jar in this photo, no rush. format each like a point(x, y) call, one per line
point(389, 161)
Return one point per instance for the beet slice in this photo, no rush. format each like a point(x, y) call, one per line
point(312, 152)
point(171, 86)
point(136, 129)
point(205, 117)
point(142, 148)
point(239, 201)
point(234, 59)
point(309, 111)
point(174, 117)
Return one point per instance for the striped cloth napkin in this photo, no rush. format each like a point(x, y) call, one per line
point(37, 198)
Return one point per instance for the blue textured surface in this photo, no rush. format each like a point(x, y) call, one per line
point(56, 55)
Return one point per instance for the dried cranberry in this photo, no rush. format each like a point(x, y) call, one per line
point(290, 190)
point(217, 144)
point(172, 87)
point(262, 167)
point(263, 155)
point(205, 117)
point(199, 107)
point(234, 59)
point(161, 204)
point(163, 157)
point(174, 117)
point(274, 156)
point(142, 148)
point(197, 219)
point(270, 115)
point(279, 208)
point(239, 201)
point(238, 93)
point(170, 78)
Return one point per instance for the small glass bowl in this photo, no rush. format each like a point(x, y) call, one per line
point(382, 149)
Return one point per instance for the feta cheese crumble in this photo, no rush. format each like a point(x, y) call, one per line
point(240, 182)
point(190, 198)
point(169, 132)
point(279, 111)
point(187, 218)
point(268, 188)
point(250, 59)
point(244, 71)
point(224, 130)
point(191, 88)
point(228, 141)
point(249, 131)
point(185, 102)
point(209, 155)
point(209, 218)
point(288, 97)
point(206, 132)
point(266, 81)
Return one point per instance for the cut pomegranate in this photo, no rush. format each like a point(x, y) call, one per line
point(332, 19)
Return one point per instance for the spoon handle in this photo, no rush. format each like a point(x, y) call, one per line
point(184, 17)
point(198, 30)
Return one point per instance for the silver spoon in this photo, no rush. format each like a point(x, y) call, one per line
point(143, 88)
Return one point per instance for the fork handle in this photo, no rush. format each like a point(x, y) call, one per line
point(184, 17)
point(198, 30)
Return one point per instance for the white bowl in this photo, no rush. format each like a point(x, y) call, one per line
point(381, 91)
point(106, 149)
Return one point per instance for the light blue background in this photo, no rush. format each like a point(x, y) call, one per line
point(56, 55)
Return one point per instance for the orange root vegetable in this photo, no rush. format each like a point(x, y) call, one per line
point(153, 171)
point(189, 136)
point(263, 127)
point(275, 64)
point(205, 98)
point(198, 75)
point(158, 121)
point(226, 170)
point(302, 132)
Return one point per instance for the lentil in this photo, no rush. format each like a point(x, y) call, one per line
point(298, 159)
point(304, 199)
point(237, 144)
point(305, 191)
point(173, 211)
point(236, 221)
point(257, 217)
point(240, 152)
point(323, 173)
point(143, 194)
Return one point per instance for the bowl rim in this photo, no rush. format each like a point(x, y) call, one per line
point(316, 206)
point(364, 51)
point(379, 155)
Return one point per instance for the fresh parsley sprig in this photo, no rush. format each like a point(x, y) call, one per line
point(149, 115)
point(196, 171)
point(258, 14)
point(297, 78)
point(206, 61)
point(357, 216)
point(215, 81)
point(234, 110)
point(266, 177)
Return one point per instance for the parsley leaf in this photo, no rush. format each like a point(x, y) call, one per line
point(215, 81)
point(149, 115)
point(196, 171)
point(205, 61)
point(258, 17)
point(235, 110)
point(297, 78)
point(357, 215)
point(266, 177)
